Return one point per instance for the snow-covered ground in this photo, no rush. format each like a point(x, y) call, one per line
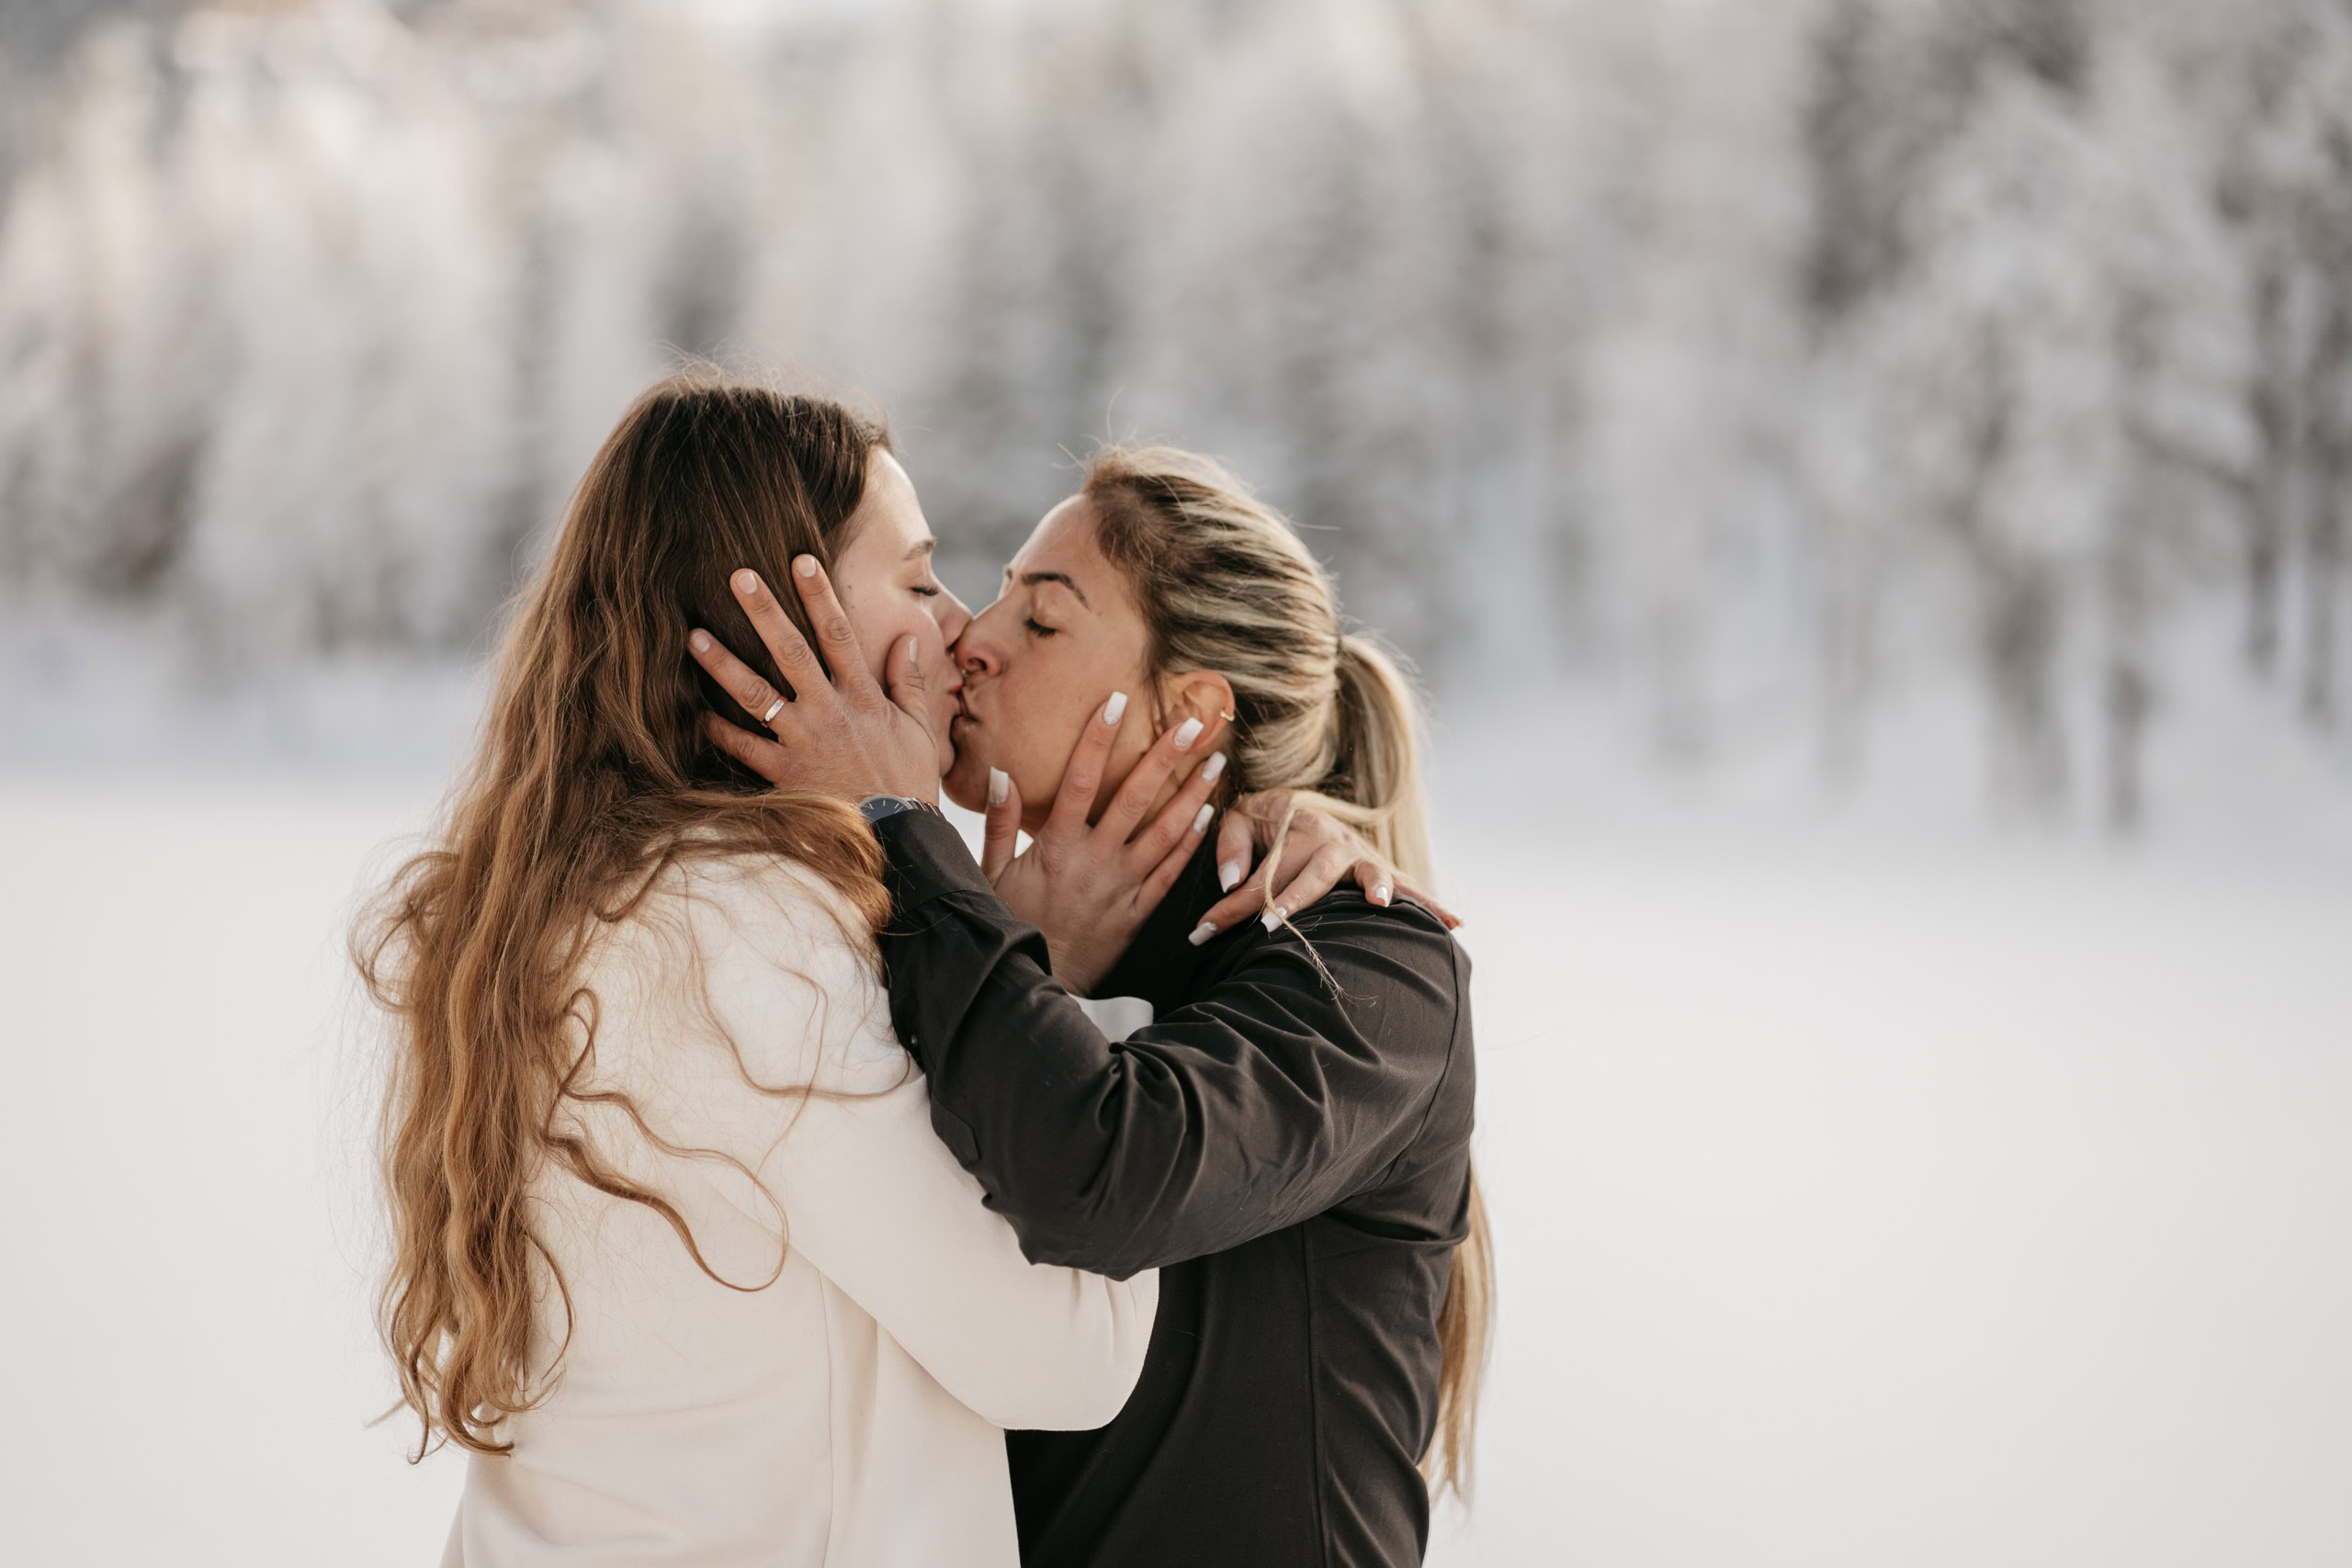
point(1929, 1209)
point(1863, 1196)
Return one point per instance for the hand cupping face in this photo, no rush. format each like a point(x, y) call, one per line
point(842, 734)
point(1090, 885)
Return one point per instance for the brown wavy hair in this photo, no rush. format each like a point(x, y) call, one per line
point(590, 780)
point(1320, 714)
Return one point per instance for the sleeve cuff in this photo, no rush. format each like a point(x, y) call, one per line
point(927, 859)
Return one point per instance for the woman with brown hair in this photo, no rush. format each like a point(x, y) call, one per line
point(1288, 1140)
point(678, 1257)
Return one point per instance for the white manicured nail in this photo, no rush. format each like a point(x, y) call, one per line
point(1227, 874)
point(1201, 932)
point(999, 784)
point(1211, 768)
point(1272, 917)
point(1201, 818)
point(1380, 894)
point(1186, 733)
point(1113, 709)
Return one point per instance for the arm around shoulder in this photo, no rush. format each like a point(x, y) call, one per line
point(1287, 1080)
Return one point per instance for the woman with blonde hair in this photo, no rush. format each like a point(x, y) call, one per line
point(1288, 1140)
point(678, 1259)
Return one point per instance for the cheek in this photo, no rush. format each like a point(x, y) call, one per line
point(931, 650)
point(1036, 746)
point(879, 643)
point(883, 637)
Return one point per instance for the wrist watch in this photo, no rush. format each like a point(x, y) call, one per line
point(874, 808)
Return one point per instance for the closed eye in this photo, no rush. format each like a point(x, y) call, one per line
point(1041, 630)
point(927, 590)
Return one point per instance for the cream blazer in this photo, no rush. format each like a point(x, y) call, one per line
point(841, 1397)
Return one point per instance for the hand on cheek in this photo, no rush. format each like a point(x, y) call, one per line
point(1095, 869)
point(1134, 740)
point(1048, 777)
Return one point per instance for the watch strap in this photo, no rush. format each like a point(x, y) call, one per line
point(874, 808)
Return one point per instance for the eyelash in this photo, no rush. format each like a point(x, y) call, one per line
point(1041, 631)
point(927, 592)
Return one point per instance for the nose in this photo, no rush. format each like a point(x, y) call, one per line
point(974, 652)
point(953, 615)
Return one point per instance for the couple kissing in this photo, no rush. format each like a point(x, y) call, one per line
point(771, 1182)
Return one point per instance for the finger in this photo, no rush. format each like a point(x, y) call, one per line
point(1377, 878)
point(1173, 865)
point(1183, 821)
point(1319, 876)
point(835, 637)
point(1245, 902)
point(1145, 779)
point(757, 753)
point(1428, 900)
point(784, 643)
point(1075, 800)
point(1237, 849)
point(737, 679)
point(1000, 828)
point(908, 688)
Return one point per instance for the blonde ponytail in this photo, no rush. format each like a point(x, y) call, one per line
point(1329, 717)
point(1379, 761)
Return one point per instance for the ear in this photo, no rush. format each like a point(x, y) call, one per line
point(1198, 694)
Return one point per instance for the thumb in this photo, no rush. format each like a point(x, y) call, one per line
point(1000, 831)
point(906, 683)
point(1236, 848)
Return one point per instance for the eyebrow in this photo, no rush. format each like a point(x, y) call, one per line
point(921, 547)
point(1031, 580)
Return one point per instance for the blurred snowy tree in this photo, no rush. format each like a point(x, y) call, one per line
point(1691, 437)
point(259, 371)
point(2287, 181)
point(2035, 318)
point(1760, 362)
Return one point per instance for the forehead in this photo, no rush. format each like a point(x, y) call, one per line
point(889, 513)
point(1062, 555)
point(1063, 541)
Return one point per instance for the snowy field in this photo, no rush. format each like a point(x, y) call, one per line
point(1860, 1199)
